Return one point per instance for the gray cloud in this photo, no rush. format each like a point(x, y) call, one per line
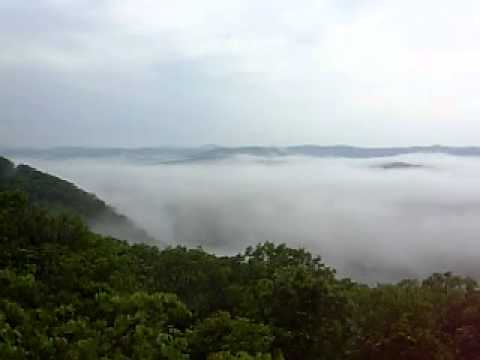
point(142, 73)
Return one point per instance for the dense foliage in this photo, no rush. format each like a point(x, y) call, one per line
point(58, 195)
point(68, 293)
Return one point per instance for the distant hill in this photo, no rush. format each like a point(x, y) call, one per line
point(397, 165)
point(173, 155)
point(58, 195)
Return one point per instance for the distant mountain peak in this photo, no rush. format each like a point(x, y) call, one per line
point(211, 152)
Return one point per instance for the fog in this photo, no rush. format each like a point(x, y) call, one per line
point(370, 223)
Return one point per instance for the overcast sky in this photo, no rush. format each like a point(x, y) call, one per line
point(232, 72)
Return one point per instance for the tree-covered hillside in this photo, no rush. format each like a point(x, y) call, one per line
point(59, 196)
point(67, 293)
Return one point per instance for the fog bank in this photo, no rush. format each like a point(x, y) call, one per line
point(371, 223)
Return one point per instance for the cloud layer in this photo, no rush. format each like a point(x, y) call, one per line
point(370, 223)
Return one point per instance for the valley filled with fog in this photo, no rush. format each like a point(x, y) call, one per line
point(368, 219)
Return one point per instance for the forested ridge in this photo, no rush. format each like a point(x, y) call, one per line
point(60, 196)
point(69, 293)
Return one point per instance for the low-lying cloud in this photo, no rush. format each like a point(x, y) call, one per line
point(370, 223)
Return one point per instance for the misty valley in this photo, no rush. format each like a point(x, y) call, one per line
point(251, 254)
point(372, 215)
point(239, 180)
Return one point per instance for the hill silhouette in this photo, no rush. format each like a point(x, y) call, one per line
point(59, 196)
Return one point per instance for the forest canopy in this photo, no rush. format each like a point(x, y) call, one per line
point(68, 293)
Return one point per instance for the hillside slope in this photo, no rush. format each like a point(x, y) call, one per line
point(58, 195)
